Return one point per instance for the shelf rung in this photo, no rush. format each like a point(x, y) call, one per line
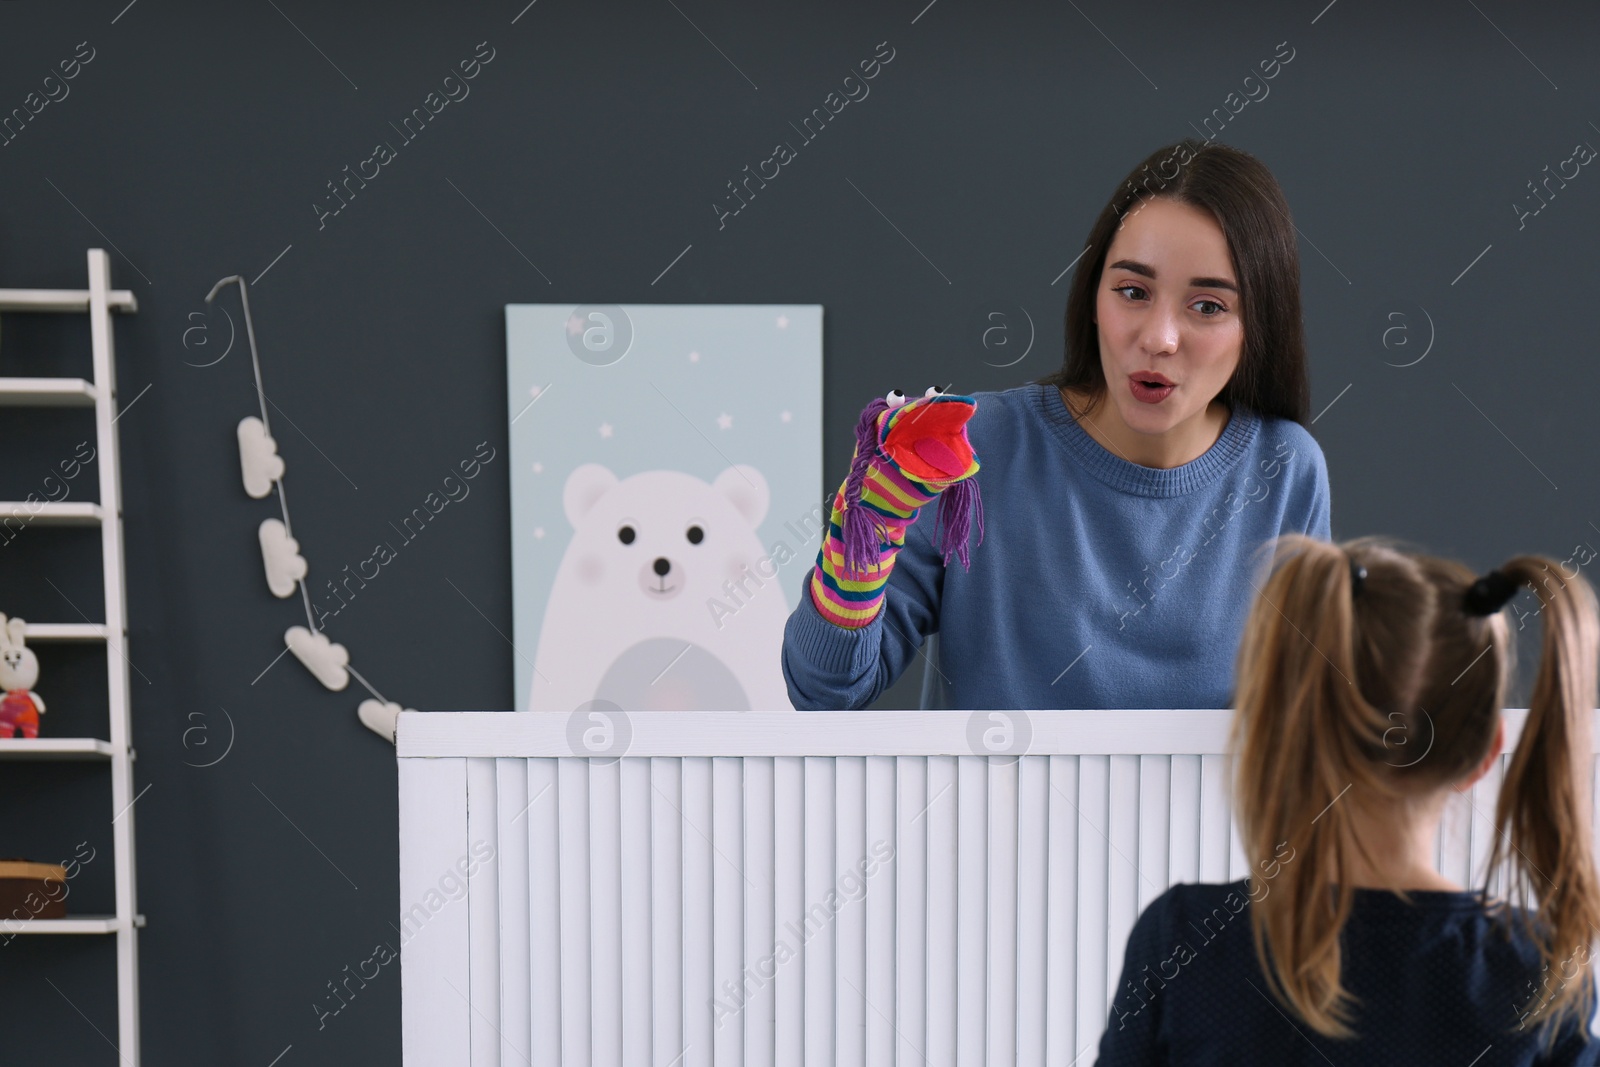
point(78, 924)
point(46, 393)
point(62, 300)
point(54, 748)
point(49, 514)
point(63, 631)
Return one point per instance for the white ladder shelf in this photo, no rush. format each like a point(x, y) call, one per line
point(97, 301)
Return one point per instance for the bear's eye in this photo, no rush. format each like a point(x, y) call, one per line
point(695, 535)
point(625, 535)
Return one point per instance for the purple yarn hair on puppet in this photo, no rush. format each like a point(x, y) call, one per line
point(959, 505)
point(863, 529)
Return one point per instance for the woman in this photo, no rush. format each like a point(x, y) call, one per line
point(1124, 494)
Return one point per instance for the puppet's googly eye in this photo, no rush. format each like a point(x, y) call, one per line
point(933, 390)
point(895, 398)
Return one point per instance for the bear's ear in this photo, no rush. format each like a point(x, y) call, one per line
point(585, 486)
point(745, 486)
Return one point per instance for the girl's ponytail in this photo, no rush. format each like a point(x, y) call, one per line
point(1319, 669)
point(1544, 815)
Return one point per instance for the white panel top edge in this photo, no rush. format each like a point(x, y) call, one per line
point(825, 733)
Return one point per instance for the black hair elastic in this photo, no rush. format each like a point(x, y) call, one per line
point(1358, 578)
point(1490, 593)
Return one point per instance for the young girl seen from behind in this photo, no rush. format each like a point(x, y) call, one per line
point(1369, 691)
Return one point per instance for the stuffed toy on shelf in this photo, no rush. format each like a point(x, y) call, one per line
point(20, 708)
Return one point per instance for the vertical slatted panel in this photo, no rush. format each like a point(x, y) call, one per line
point(1033, 859)
point(636, 905)
point(433, 833)
point(1122, 873)
point(572, 786)
point(511, 867)
point(972, 905)
point(1002, 899)
point(483, 914)
point(542, 821)
point(1094, 782)
point(788, 872)
point(759, 955)
point(1499, 882)
point(605, 912)
point(940, 1043)
point(666, 915)
point(727, 896)
point(602, 877)
point(1155, 806)
point(1183, 824)
point(880, 903)
point(1061, 910)
point(911, 909)
point(819, 875)
point(850, 929)
point(1214, 820)
point(698, 918)
point(1238, 865)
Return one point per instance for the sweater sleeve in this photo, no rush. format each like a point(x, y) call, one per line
point(1319, 524)
point(1132, 1037)
point(828, 667)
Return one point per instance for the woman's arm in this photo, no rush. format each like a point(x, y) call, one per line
point(864, 609)
point(829, 667)
point(1319, 525)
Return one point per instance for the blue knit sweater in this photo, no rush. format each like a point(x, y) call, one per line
point(1100, 583)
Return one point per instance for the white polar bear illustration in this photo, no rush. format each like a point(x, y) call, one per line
point(665, 599)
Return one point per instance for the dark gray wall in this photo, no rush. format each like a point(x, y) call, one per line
point(589, 153)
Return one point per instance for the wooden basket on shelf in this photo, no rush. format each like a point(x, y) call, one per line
point(32, 890)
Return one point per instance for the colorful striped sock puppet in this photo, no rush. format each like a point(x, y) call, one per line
point(906, 454)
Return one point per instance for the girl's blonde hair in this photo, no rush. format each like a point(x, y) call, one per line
point(1341, 691)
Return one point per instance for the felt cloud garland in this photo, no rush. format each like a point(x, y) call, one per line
point(262, 470)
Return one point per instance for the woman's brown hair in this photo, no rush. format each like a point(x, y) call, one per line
point(1239, 192)
point(1337, 693)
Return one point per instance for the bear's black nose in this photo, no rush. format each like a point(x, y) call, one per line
point(662, 566)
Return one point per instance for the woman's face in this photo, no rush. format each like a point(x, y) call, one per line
point(1168, 311)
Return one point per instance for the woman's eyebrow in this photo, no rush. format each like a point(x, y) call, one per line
point(1197, 283)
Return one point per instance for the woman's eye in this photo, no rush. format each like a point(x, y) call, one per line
point(626, 535)
point(1125, 288)
point(1213, 303)
point(695, 535)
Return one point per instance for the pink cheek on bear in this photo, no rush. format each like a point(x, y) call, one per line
point(736, 567)
point(590, 569)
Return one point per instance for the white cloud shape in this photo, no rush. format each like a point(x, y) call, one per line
point(280, 554)
point(321, 656)
point(380, 718)
point(259, 461)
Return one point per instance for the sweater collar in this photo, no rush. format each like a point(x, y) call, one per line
point(1133, 478)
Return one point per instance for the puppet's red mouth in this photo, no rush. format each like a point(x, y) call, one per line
point(930, 442)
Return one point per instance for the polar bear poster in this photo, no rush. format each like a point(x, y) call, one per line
point(666, 501)
point(665, 599)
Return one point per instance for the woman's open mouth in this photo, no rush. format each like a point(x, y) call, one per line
point(1150, 388)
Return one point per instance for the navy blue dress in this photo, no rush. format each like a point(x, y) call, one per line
point(1441, 981)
